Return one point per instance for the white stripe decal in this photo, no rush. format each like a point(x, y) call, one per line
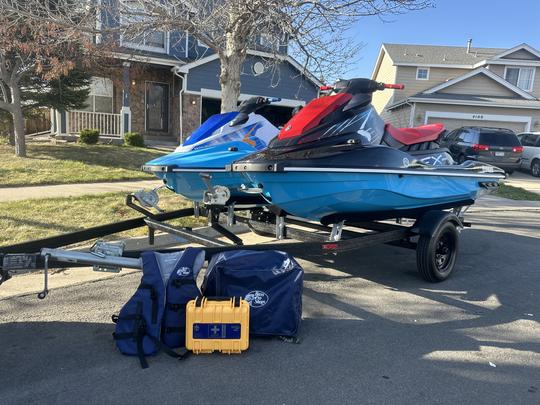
point(202, 170)
point(386, 171)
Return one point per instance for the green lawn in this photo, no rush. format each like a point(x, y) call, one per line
point(33, 219)
point(516, 193)
point(73, 163)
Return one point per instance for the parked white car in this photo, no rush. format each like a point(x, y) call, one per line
point(530, 159)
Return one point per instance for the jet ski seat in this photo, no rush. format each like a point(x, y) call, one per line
point(423, 137)
point(410, 136)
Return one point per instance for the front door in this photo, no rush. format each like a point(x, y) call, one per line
point(157, 107)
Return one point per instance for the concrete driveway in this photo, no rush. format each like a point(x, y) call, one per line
point(373, 332)
point(524, 180)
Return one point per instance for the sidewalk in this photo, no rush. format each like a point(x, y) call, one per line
point(72, 190)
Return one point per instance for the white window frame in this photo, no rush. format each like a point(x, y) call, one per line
point(519, 74)
point(422, 78)
point(201, 44)
point(143, 47)
point(92, 94)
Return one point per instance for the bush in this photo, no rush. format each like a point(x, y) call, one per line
point(89, 136)
point(133, 139)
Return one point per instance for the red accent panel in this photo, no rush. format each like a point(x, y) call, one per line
point(311, 115)
point(410, 136)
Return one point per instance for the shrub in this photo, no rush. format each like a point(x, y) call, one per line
point(133, 139)
point(89, 136)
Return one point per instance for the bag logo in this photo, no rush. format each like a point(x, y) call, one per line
point(183, 271)
point(256, 299)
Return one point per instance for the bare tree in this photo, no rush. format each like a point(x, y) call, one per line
point(33, 54)
point(312, 31)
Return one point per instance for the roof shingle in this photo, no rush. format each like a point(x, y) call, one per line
point(434, 54)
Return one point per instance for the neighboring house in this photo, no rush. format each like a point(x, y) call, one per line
point(169, 84)
point(460, 86)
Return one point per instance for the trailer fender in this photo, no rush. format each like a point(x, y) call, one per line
point(431, 221)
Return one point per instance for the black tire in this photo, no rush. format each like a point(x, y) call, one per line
point(461, 159)
point(509, 172)
point(535, 168)
point(436, 255)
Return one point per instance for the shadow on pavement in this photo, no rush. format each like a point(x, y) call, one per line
point(374, 332)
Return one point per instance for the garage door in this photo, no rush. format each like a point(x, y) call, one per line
point(453, 123)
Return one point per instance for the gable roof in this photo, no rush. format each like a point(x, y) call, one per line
point(418, 55)
point(510, 51)
point(283, 58)
point(483, 71)
point(452, 56)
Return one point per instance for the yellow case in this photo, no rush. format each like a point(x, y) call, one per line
point(217, 325)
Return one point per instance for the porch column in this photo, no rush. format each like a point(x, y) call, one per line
point(61, 122)
point(125, 112)
point(53, 121)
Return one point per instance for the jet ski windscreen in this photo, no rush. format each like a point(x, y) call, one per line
point(365, 127)
point(209, 126)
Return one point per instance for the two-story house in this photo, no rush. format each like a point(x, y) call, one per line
point(460, 86)
point(168, 83)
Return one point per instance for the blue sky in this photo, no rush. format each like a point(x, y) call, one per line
point(489, 23)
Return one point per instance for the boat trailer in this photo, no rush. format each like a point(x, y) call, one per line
point(434, 236)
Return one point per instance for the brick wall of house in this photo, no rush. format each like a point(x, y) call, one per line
point(139, 76)
point(191, 113)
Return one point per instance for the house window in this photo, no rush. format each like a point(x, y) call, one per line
point(521, 77)
point(155, 41)
point(100, 98)
point(266, 41)
point(422, 74)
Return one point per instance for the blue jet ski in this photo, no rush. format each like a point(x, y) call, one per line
point(202, 160)
point(337, 161)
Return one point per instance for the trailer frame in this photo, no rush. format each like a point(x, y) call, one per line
point(310, 239)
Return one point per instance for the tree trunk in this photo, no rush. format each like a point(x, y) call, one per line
point(229, 80)
point(11, 131)
point(18, 122)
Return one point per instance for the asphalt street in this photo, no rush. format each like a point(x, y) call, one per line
point(373, 333)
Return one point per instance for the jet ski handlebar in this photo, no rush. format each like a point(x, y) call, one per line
point(394, 86)
point(364, 86)
point(251, 105)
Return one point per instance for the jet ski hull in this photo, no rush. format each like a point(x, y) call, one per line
point(334, 196)
point(183, 172)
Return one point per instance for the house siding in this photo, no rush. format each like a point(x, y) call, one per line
point(497, 69)
point(398, 117)
point(284, 81)
point(479, 85)
point(385, 74)
point(521, 54)
point(407, 75)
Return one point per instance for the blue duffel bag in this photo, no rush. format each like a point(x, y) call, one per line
point(270, 281)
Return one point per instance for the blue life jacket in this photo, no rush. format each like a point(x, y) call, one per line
point(270, 281)
point(154, 317)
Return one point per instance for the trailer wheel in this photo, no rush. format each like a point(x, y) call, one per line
point(436, 255)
